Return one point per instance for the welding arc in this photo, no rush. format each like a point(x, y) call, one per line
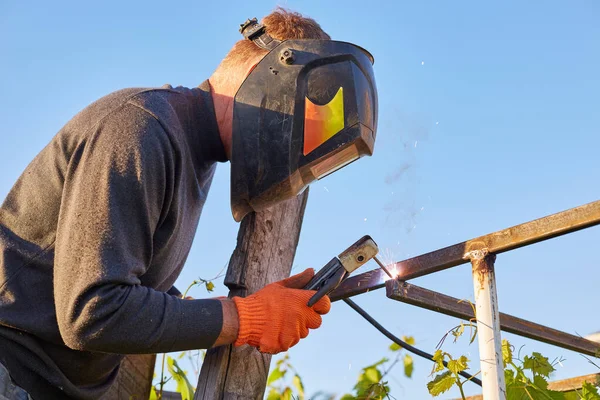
point(402, 343)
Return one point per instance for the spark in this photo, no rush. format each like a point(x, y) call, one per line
point(416, 141)
point(422, 62)
point(325, 187)
point(349, 366)
point(365, 220)
point(422, 208)
point(387, 259)
point(437, 123)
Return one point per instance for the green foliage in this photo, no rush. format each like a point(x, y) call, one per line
point(183, 384)
point(538, 364)
point(449, 375)
point(371, 383)
point(278, 387)
point(589, 392)
point(441, 383)
point(507, 352)
point(408, 365)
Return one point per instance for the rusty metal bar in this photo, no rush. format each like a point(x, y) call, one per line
point(438, 302)
point(525, 234)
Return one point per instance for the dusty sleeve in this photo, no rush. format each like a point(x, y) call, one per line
point(115, 191)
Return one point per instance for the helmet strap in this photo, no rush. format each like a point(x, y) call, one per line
point(257, 33)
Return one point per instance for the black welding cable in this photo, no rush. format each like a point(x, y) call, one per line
point(402, 343)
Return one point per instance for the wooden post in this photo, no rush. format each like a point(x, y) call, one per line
point(266, 246)
point(134, 379)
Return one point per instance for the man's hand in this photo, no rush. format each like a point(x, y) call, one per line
point(276, 317)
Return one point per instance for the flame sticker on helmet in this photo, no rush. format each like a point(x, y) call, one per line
point(322, 122)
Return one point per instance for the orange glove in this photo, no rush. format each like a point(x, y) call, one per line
point(276, 317)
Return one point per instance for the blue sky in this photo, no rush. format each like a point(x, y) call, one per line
point(489, 117)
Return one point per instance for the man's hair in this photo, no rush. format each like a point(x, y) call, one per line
point(280, 24)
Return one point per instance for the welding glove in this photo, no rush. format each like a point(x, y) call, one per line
point(276, 317)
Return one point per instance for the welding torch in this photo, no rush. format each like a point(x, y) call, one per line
point(340, 268)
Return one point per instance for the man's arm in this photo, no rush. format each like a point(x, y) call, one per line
point(231, 323)
point(115, 187)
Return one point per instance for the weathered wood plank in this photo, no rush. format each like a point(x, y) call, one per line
point(134, 379)
point(266, 246)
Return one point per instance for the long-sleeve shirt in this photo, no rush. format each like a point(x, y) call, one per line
point(95, 232)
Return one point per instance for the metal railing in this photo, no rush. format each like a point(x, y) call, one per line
point(481, 253)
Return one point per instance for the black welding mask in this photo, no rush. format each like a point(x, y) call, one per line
point(307, 109)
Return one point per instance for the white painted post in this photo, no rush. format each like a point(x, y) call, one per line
point(488, 325)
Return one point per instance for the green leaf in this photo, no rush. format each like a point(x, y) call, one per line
point(373, 374)
point(274, 395)
point(540, 382)
point(183, 385)
point(509, 376)
point(408, 366)
point(458, 331)
point(297, 382)
point(589, 392)
point(458, 365)
point(275, 375)
point(378, 363)
point(395, 347)
point(409, 340)
point(348, 397)
point(506, 352)
point(538, 364)
point(210, 286)
point(441, 383)
point(438, 357)
point(287, 394)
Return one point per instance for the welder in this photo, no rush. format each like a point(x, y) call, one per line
point(97, 228)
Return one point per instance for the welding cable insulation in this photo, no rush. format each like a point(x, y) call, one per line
point(402, 343)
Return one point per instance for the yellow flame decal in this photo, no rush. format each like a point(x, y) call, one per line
point(322, 122)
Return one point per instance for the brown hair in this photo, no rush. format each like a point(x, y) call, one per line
point(281, 24)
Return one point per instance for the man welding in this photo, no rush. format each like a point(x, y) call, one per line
point(97, 228)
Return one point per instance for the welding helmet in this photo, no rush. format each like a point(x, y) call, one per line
point(307, 109)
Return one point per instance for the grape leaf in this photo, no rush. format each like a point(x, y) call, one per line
point(540, 382)
point(409, 340)
point(275, 375)
point(438, 357)
point(274, 395)
point(395, 347)
point(458, 365)
point(297, 382)
point(506, 352)
point(183, 385)
point(538, 364)
point(373, 374)
point(441, 383)
point(589, 392)
point(408, 366)
point(458, 331)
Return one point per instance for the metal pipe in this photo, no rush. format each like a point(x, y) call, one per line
point(488, 325)
point(512, 238)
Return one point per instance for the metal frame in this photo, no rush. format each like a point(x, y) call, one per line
point(481, 252)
